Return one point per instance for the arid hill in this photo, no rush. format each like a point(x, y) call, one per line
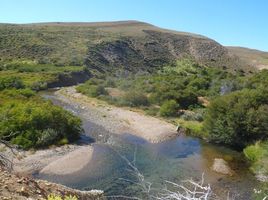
point(256, 58)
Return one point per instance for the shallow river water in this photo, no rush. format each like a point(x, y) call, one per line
point(175, 160)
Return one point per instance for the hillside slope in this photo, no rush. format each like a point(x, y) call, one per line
point(256, 58)
point(110, 46)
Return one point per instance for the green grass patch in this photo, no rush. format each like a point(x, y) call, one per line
point(33, 74)
point(194, 128)
point(257, 154)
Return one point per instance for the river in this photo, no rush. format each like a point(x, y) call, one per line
point(174, 160)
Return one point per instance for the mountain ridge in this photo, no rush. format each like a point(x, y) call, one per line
point(107, 46)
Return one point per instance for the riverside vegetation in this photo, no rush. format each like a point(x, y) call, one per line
point(210, 103)
point(26, 119)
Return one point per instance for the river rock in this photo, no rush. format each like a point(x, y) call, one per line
point(222, 167)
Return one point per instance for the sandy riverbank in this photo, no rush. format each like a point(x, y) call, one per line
point(71, 162)
point(55, 160)
point(149, 128)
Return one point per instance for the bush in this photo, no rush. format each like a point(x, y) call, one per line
point(169, 108)
point(47, 137)
point(254, 152)
point(192, 116)
point(187, 98)
point(19, 93)
point(153, 111)
point(257, 154)
point(110, 83)
point(11, 82)
point(37, 123)
point(238, 119)
point(92, 90)
point(193, 128)
point(134, 99)
point(39, 85)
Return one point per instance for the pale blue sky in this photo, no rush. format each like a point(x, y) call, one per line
point(230, 22)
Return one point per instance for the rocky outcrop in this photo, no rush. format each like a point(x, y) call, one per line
point(222, 167)
point(22, 188)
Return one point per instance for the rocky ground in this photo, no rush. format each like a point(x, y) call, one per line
point(16, 187)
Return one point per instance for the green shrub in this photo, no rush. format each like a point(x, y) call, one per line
point(37, 123)
point(39, 85)
point(16, 93)
point(192, 116)
point(11, 82)
point(47, 137)
point(238, 119)
point(153, 111)
point(135, 99)
point(169, 108)
point(92, 90)
point(187, 98)
point(254, 152)
point(193, 128)
point(110, 83)
point(257, 154)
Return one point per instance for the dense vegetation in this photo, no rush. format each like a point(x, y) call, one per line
point(30, 74)
point(29, 121)
point(257, 154)
point(25, 118)
point(239, 118)
point(182, 84)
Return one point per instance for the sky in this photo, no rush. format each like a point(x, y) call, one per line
point(230, 22)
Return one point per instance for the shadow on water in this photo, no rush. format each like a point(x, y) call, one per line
point(175, 160)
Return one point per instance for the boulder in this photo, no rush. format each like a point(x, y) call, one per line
point(222, 167)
